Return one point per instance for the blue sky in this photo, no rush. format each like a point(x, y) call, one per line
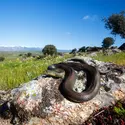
point(67, 24)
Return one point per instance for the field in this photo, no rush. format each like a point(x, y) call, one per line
point(118, 58)
point(16, 70)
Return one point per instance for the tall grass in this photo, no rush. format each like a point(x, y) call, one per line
point(13, 73)
point(118, 58)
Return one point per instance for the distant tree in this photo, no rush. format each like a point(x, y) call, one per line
point(116, 23)
point(20, 54)
point(29, 54)
point(82, 49)
point(2, 58)
point(73, 51)
point(107, 42)
point(49, 50)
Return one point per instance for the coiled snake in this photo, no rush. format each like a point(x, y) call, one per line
point(66, 87)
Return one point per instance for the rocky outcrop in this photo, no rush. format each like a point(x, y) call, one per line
point(40, 102)
point(122, 47)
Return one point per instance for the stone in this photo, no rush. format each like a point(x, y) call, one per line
point(40, 102)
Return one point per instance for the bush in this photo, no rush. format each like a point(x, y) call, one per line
point(49, 50)
point(2, 59)
point(82, 49)
point(29, 54)
point(20, 54)
point(107, 42)
point(73, 51)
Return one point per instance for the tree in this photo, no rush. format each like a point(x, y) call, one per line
point(49, 50)
point(116, 23)
point(2, 58)
point(107, 42)
point(82, 49)
point(29, 54)
point(73, 51)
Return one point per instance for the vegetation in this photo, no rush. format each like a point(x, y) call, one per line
point(118, 58)
point(119, 109)
point(2, 58)
point(49, 50)
point(107, 42)
point(82, 49)
point(73, 51)
point(16, 71)
point(116, 23)
point(29, 54)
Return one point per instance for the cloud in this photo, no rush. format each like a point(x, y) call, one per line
point(86, 17)
point(92, 18)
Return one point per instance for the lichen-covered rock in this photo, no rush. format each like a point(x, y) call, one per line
point(39, 102)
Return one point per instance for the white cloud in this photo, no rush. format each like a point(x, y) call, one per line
point(86, 17)
point(92, 18)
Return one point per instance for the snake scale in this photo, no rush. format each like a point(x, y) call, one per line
point(66, 87)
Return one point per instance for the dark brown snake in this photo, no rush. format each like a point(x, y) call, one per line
point(66, 87)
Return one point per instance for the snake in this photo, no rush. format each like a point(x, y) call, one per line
point(66, 87)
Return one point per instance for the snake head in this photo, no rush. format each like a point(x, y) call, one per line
point(51, 67)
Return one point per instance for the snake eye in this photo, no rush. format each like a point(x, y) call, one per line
point(51, 67)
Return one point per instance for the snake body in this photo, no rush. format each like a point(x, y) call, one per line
point(66, 87)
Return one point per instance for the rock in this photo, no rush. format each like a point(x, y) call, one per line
point(40, 102)
point(116, 50)
point(122, 47)
point(93, 54)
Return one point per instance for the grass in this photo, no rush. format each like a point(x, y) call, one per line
point(119, 109)
point(14, 72)
point(118, 58)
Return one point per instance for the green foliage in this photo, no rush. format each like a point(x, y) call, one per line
point(118, 58)
point(49, 50)
point(73, 51)
point(119, 109)
point(82, 49)
point(40, 56)
point(29, 54)
point(107, 42)
point(18, 71)
point(2, 59)
point(116, 23)
point(20, 54)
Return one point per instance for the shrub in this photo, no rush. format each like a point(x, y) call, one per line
point(73, 51)
point(20, 54)
point(107, 42)
point(29, 54)
point(49, 50)
point(82, 49)
point(2, 59)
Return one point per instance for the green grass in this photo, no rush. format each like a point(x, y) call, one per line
point(119, 109)
point(15, 72)
point(118, 58)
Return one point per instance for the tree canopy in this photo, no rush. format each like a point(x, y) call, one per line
point(107, 42)
point(49, 50)
point(116, 23)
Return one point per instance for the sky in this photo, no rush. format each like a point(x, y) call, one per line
point(67, 24)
